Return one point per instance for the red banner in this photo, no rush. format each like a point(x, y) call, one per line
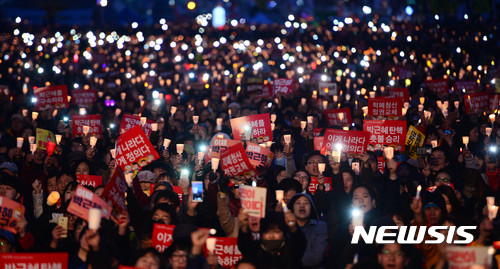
point(317, 132)
point(385, 107)
point(134, 150)
point(468, 86)
point(89, 180)
point(54, 260)
point(385, 133)
point(129, 121)
point(162, 236)
point(381, 164)
point(333, 116)
point(236, 163)
point(12, 211)
point(267, 91)
point(255, 86)
point(318, 142)
point(93, 121)
point(260, 124)
point(438, 86)
point(84, 199)
point(219, 144)
point(178, 190)
point(226, 249)
point(399, 93)
point(353, 142)
point(313, 186)
point(283, 85)
point(84, 98)
point(114, 192)
point(56, 96)
point(476, 101)
point(259, 156)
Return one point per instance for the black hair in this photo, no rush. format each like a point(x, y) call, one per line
point(271, 221)
point(154, 252)
point(166, 208)
point(169, 195)
point(288, 184)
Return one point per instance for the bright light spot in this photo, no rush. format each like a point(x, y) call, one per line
point(436, 17)
point(162, 21)
point(18, 20)
point(353, 74)
point(344, 61)
point(277, 40)
point(348, 20)
point(408, 38)
point(199, 49)
point(76, 86)
point(367, 10)
point(336, 54)
point(27, 65)
point(145, 65)
point(164, 27)
point(485, 38)
point(378, 52)
point(191, 75)
point(234, 23)
point(135, 25)
point(402, 54)
point(191, 5)
point(409, 10)
point(300, 70)
point(291, 17)
point(40, 70)
point(459, 50)
point(466, 16)
point(391, 82)
point(155, 94)
point(33, 99)
point(282, 66)
point(324, 77)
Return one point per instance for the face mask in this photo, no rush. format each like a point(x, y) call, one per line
point(272, 245)
point(280, 162)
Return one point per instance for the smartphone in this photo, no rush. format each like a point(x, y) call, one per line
point(247, 133)
point(197, 189)
point(63, 222)
point(355, 167)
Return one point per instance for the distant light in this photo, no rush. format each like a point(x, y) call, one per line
point(367, 10)
point(218, 17)
point(155, 94)
point(466, 16)
point(409, 10)
point(18, 20)
point(191, 5)
point(135, 25)
point(291, 17)
point(40, 70)
point(33, 99)
point(300, 70)
point(191, 75)
point(76, 86)
point(234, 23)
point(436, 17)
point(103, 3)
point(348, 20)
point(459, 50)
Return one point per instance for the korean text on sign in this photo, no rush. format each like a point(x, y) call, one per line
point(114, 192)
point(385, 107)
point(414, 139)
point(56, 96)
point(476, 101)
point(129, 121)
point(52, 260)
point(83, 97)
point(333, 116)
point(385, 133)
point(162, 236)
point(93, 121)
point(438, 86)
point(283, 85)
point(258, 155)
point(134, 150)
point(84, 199)
point(226, 249)
point(220, 144)
point(234, 162)
point(313, 186)
point(260, 124)
point(352, 142)
point(10, 213)
point(253, 200)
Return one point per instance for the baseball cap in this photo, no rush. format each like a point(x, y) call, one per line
point(146, 176)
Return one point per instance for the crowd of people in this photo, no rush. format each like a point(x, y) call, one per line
point(208, 72)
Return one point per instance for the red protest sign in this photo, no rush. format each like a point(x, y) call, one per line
point(381, 164)
point(468, 86)
point(12, 211)
point(56, 260)
point(259, 156)
point(93, 121)
point(129, 121)
point(313, 186)
point(476, 101)
point(334, 116)
point(385, 133)
point(236, 163)
point(226, 249)
point(219, 144)
point(318, 142)
point(255, 86)
point(89, 180)
point(267, 91)
point(134, 150)
point(114, 192)
point(317, 132)
point(84, 98)
point(283, 85)
point(438, 86)
point(178, 190)
point(353, 142)
point(260, 124)
point(399, 93)
point(162, 236)
point(84, 199)
point(253, 200)
point(56, 96)
point(385, 107)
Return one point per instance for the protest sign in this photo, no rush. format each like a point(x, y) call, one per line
point(134, 150)
point(236, 163)
point(93, 121)
point(385, 133)
point(352, 142)
point(162, 236)
point(129, 121)
point(313, 186)
point(83, 98)
point(318, 142)
point(399, 93)
point(114, 192)
point(259, 156)
point(89, 180)
point(226, 249)
point(84, 199)
point(334, 116)
point(283, 85)
point(468, 86)
point(467, 257)
point(219, 144)
point(260, 125)
point(414, 140)
point(253, 200)
point(385, 107)
point(11, 211)
point(438, 86)
point(25, 260)
point(42, 137)
point(476, 101)
point(55, 96)
point(327, 88)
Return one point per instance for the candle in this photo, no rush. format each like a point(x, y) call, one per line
point(341, 116)
point(490, 200)
point(113, 153)
point(123, 95)
point(287, 139)
point(58, 138)
point(434, 143)
point(31, 139)
point(201, 154)
point(273, 118)
point(273, 126)
point(215, 164)
point(205, 102)
point(279, 195)
point(219, 124)
point(144, 120)
point(118, 112)
point(303, 125)
point(427, 114)
point(83, 111)
point(422, 100)
point(285, 208)
point(195, 119)
point(93, 141)
point(85, 129)
point(406, 105)
point(34, 115)
point(365, 110)
point(173, 109)
point(321, 167)
point(465, 140)
point(310, 119)
point(420, 108)
point(211, 244)
point(492, 119)
point(457, 104)
point(325, 104)
point(20, 142)
point(419, 188)
point(492, 212)
point(154, 127)
point(94, 218)
point(446, 104)
point(404, 110)
point(180, 148)
point(488, 131)
point(303, 101)
point(25, 112)
point(389, 152)
point(33, 148)
point(371, 94)
point(357, 217)
point(142, 102)
point(335, 98)
point(53, 198)
point(166, 142)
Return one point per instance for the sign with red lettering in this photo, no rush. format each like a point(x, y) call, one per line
point(318, 142)
point(83, 98)
point(385, 133)
point(468, 86)
point(476, 101)
point(283, 85)
point(255, 86)
point(56, 96)
point(253, 200)
point(134, 150)
point(162, 236)
point(352, 142)
point(219, 144)
point(340, 117)
point(226, 249)
point(438, 86)
point(385, 107)
point(267, 91)
point(260, 126)
point(259, 156)
point(129, 121)
point(317, 132)
point(84, 199)
point(236, 163)
point(89, 180)
point(381, 164)
point(93, 121)
point(11, 211)
point(327, 88)
point(466, 257)
point(313, 186)
point(52, 260)
point(399, 93)
point(114, 192)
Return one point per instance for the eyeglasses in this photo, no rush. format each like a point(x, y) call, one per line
point(397, 254)
point(314, 162)
point(443, 179)
point(179, 256)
